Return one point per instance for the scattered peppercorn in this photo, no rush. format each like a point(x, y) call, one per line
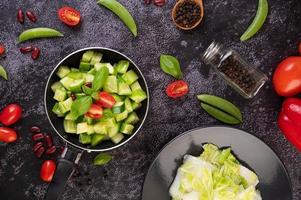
point(187, 14)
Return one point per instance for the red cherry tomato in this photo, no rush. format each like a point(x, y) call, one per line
point(69, 16)
point(177, 89)
point(106, 100)
point(95, 111)
point(47, 170)
point(7, 135)
point(2, 49)
point(10, 114)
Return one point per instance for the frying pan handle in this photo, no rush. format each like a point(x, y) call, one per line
point(65, 168)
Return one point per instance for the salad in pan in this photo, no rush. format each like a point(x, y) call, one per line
point(215, 175)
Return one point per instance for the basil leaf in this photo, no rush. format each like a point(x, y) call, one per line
point(100, 78)
point(102, 159)
point(171, 66)
point(81, 105)
point(87, 90)
point(3, 73)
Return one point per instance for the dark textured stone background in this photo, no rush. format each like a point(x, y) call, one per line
point(123, 178)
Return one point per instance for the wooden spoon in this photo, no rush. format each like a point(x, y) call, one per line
point(175, 8)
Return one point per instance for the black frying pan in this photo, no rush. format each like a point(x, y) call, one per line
point(74, 149)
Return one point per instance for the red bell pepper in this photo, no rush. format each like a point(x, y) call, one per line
point(289, 121)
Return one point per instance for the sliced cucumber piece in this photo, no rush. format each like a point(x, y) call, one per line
point(75, 75)
point(135, 105)
point(74, 69)
point(90, 129)
point(69, 126)
point(97, 67)
point(117, 138)
point(84, 66)
point(121, 116)
point(107, 113)
point(96, 58)
point(136, 86)
point(56, 85)
point(128, 105)
point(122, 66)
point(60, 94)
point(87, 56)
point(65, 106)
point(70, 116)
point(117, 97)
point(84, 138)
point(57, 110)
point(100, 128)
point(76, 85)
point(96, 139)
point(66, 82)
point(112, 131)
point(132, 119)
point(118, 107)
point(63, 71)
point(82, 128)
point(111, 84)
point(123, 88)
point(138, 96)
point(126, 128)
point(130, 77)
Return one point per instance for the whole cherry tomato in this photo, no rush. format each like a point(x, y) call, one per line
point(177, 89)
point(47, 170)
point(7, 135)
point(2, 49)
point(10, 114)
point(69, 16)
point(287, 77)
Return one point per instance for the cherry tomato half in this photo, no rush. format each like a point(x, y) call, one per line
point(177, 89)
point(7, 135)
point(10, 114)
point(69, 16)
point(95, 111)
point(2, 49)
point(106, 100)
point(47, 170)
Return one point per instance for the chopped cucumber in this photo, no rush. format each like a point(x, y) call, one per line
point(89, 78)
point(76, 85)
point(127, 128)
point(107, 65)
point(117, 138)
point(121, 116)
point(117, 97)
point(87, 56)
point(92, 71)
point(130, 77)
point(135, 105)
point(97, 139)
point(107, 113)
point(132, 118)
point(74, 69)
point(63, 71)
point(123, 88)
point(84, 66)
point(75, 75)
point(60, 94)
point(84, 138)
point(122, 66)
point(89, 120)
point(111, 84)
point(66, 82)
point(70, 116)
point(112, 131)
point(69, 126)
point(109, 122)
point(90, 130)
point(128, 105)
point(82, 128)
point(136, 86)
point(65, 106)
point(96, 58)
point(57, 110)
point(56, 85)
point(138, 96)
point(100, 128)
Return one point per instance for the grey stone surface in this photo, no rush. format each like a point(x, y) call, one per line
point(123, 178)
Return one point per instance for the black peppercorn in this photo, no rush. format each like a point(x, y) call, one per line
point(188, 13)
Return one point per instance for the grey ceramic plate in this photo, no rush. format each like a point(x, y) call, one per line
point(274, 182)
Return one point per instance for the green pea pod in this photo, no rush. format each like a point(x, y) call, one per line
point(121, 12)
point(102, 159)
point(40, 32)
point(171, 66)
point(3, 73)
point(220, 109)
point(261, 15)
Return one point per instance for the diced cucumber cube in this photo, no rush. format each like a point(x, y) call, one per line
point(135, 105)
point(123, 88)
point(92, 71)
point(130, 77)
point(97, 67)
point(76, 85)
point(87, 56)
point(138, 96)
point(60, 94)
point(90, 129)
point(57, 110)
point(117, 138)
point(65, 106)
point(111, 84)
point(56, 85)
point(122, 66)
point(109, 122)
point(84, 138)
point(96, 58)
point(128, 105)
point(89, 120)
point(66, 82)
point(112, 131)
point(63, 71)
point(84, 66)
point(74, 69)
point(69, 126)
point(89, 78)
point(132, 118)
point(121, 116)
point(100, 128)
point(75, 75)
point(70, 116)
point(96, 139)
point(118, 107)
point(117, 97)
point(136, 86)
point(82, 128)
point(107, 113)
point(127, 128)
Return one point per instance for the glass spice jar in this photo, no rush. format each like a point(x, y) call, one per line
point(241, 75)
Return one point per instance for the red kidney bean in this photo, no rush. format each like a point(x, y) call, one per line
point(159, 2)
point(48, 140)
point(88, 84)
point(73, 96)
point(51, 150)
point(40, 152)
point(35, 129)
point(35, 53)
point(37, 137)
point(31, 16)
point(37, 146)
point(20, 16)
point(26, 49)
point(147, 1)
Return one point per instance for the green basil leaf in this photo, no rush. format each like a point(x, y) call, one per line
point(171, 66)
point(81, 105)
point(100, 78)
point(87, 90)
point(102, 159)
point(3, 73)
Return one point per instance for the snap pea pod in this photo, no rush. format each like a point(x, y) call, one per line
point(261, 15)
point(40, 32)
point(220, 109)
point(121, 12)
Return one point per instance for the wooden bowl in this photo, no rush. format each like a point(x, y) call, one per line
point(175, 8)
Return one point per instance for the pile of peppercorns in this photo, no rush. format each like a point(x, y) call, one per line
point(188, 14)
